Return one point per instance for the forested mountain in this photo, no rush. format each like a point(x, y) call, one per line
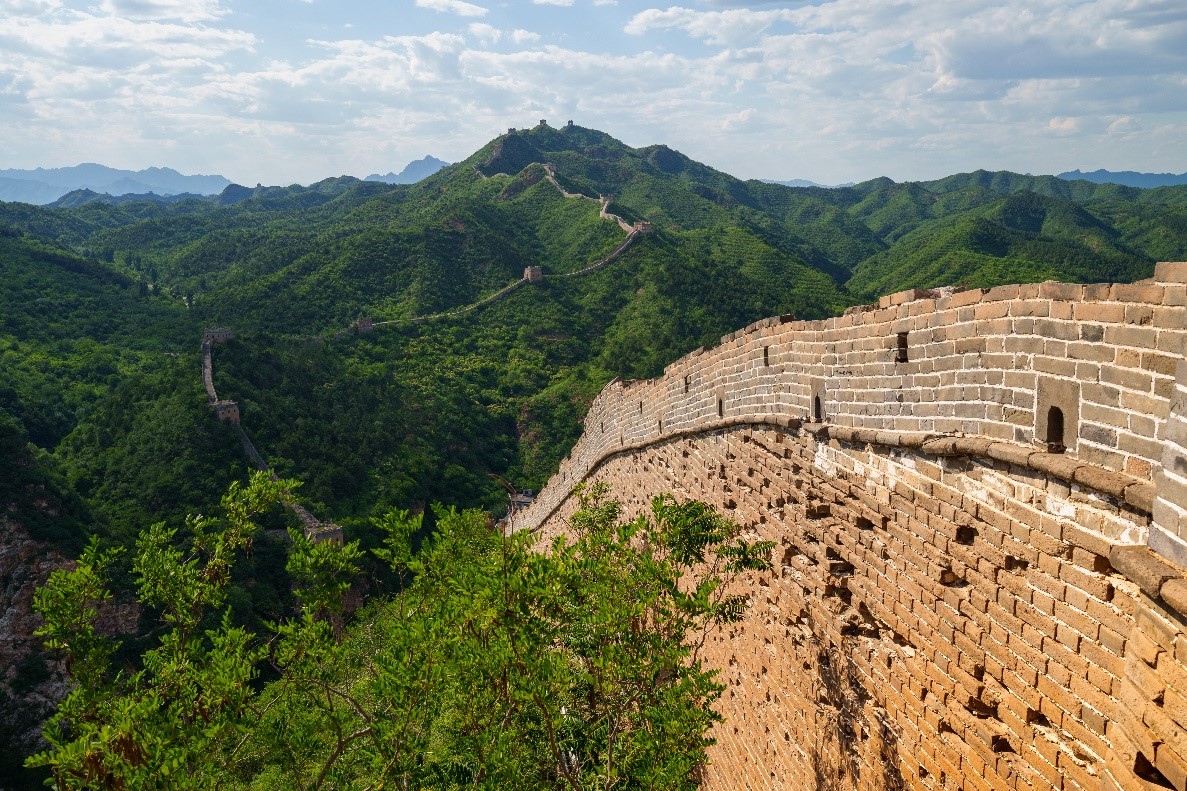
point(102, 409)
point(418, 411)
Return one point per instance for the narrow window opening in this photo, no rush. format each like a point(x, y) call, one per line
point(901, 352)
point(661, 425)
point(766, 356)
point(640, 407)
point(687, 382)
point(1055, 443)
point(720, 408)
point(817, 412)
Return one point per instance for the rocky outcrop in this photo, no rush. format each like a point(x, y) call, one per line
point(32, 682)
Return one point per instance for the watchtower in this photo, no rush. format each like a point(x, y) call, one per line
point(543, 122)
point(217, 334)
point(511, 130)
point(326, 532)
point(569, 124)
point(642, 226)
point(364, 325)
point(227, 411)
point(533, 274)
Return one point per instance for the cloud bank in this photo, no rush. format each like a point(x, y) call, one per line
point(831, 91)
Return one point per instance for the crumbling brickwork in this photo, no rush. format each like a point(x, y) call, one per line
point(953, 605)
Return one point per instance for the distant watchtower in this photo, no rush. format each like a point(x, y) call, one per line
point(364, 325)
point(511, 130)
point(226, 411)
point(642, 226)
point(324, 533)
point(543, 122)
point(217, 334)
point(569, 124)
point(533, 274)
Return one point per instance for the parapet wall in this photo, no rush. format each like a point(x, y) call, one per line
point(980, 363)
point(952, 606)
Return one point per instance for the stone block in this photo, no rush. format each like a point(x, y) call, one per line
point(1170, 272)
point(1143, 567)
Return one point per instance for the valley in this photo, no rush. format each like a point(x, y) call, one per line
point(392, 348)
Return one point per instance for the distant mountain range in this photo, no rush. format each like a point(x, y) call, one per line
point(806, 183)
point(412, 172)
point(46, 185)
point(89, 182)
point(1128, 178)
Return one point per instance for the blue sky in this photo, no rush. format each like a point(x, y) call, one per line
point(282, 91)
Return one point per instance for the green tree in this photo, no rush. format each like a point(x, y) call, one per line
point(499, 664)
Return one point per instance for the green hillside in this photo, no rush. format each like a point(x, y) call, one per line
point(508, 384)
point(104, 427)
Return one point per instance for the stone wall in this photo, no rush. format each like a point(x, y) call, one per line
point(953, 606)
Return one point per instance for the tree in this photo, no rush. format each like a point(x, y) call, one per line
point(497, 665)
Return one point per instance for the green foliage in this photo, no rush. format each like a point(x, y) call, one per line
point(497, 666)
point(160, 725)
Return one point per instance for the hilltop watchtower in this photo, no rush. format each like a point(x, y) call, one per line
point(533, 274)
point(217, 334)
point(642, 226)
point(364, 326)
point(226, 411)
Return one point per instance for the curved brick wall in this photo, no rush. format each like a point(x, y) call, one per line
point(953, 606)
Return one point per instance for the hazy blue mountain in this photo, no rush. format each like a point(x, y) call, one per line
point(25, 191)
point(412, 172)
point(805, 183)
point(1128, 178)
point(45, 185)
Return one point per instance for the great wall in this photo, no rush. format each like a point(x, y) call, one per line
point(979, 505)
point(227, 410)
point(314, 529)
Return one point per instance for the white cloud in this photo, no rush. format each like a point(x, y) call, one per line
point(553, 2)
point(487, 34)
point(186, 10)
point(836, 91)
point(27, 7)
point(729, 27)
point(453, 7)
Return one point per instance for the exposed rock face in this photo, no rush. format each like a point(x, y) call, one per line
point(32, 682)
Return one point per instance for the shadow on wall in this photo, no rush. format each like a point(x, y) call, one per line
point(841, 698)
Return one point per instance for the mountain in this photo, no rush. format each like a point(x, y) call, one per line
point(27, 191)
point(805, 183)
point(1129, 178)
point(44, 185)
point(76, 198)
point(102, 404)
point(413, 172)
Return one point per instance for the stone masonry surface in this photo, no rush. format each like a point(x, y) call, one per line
point(953, 606)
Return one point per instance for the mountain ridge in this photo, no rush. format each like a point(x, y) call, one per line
point(45, 185)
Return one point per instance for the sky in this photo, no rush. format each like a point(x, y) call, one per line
point(293, 91)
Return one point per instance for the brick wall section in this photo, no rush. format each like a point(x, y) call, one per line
point(969, 612)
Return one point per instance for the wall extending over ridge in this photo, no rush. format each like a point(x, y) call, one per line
point(953, 606)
